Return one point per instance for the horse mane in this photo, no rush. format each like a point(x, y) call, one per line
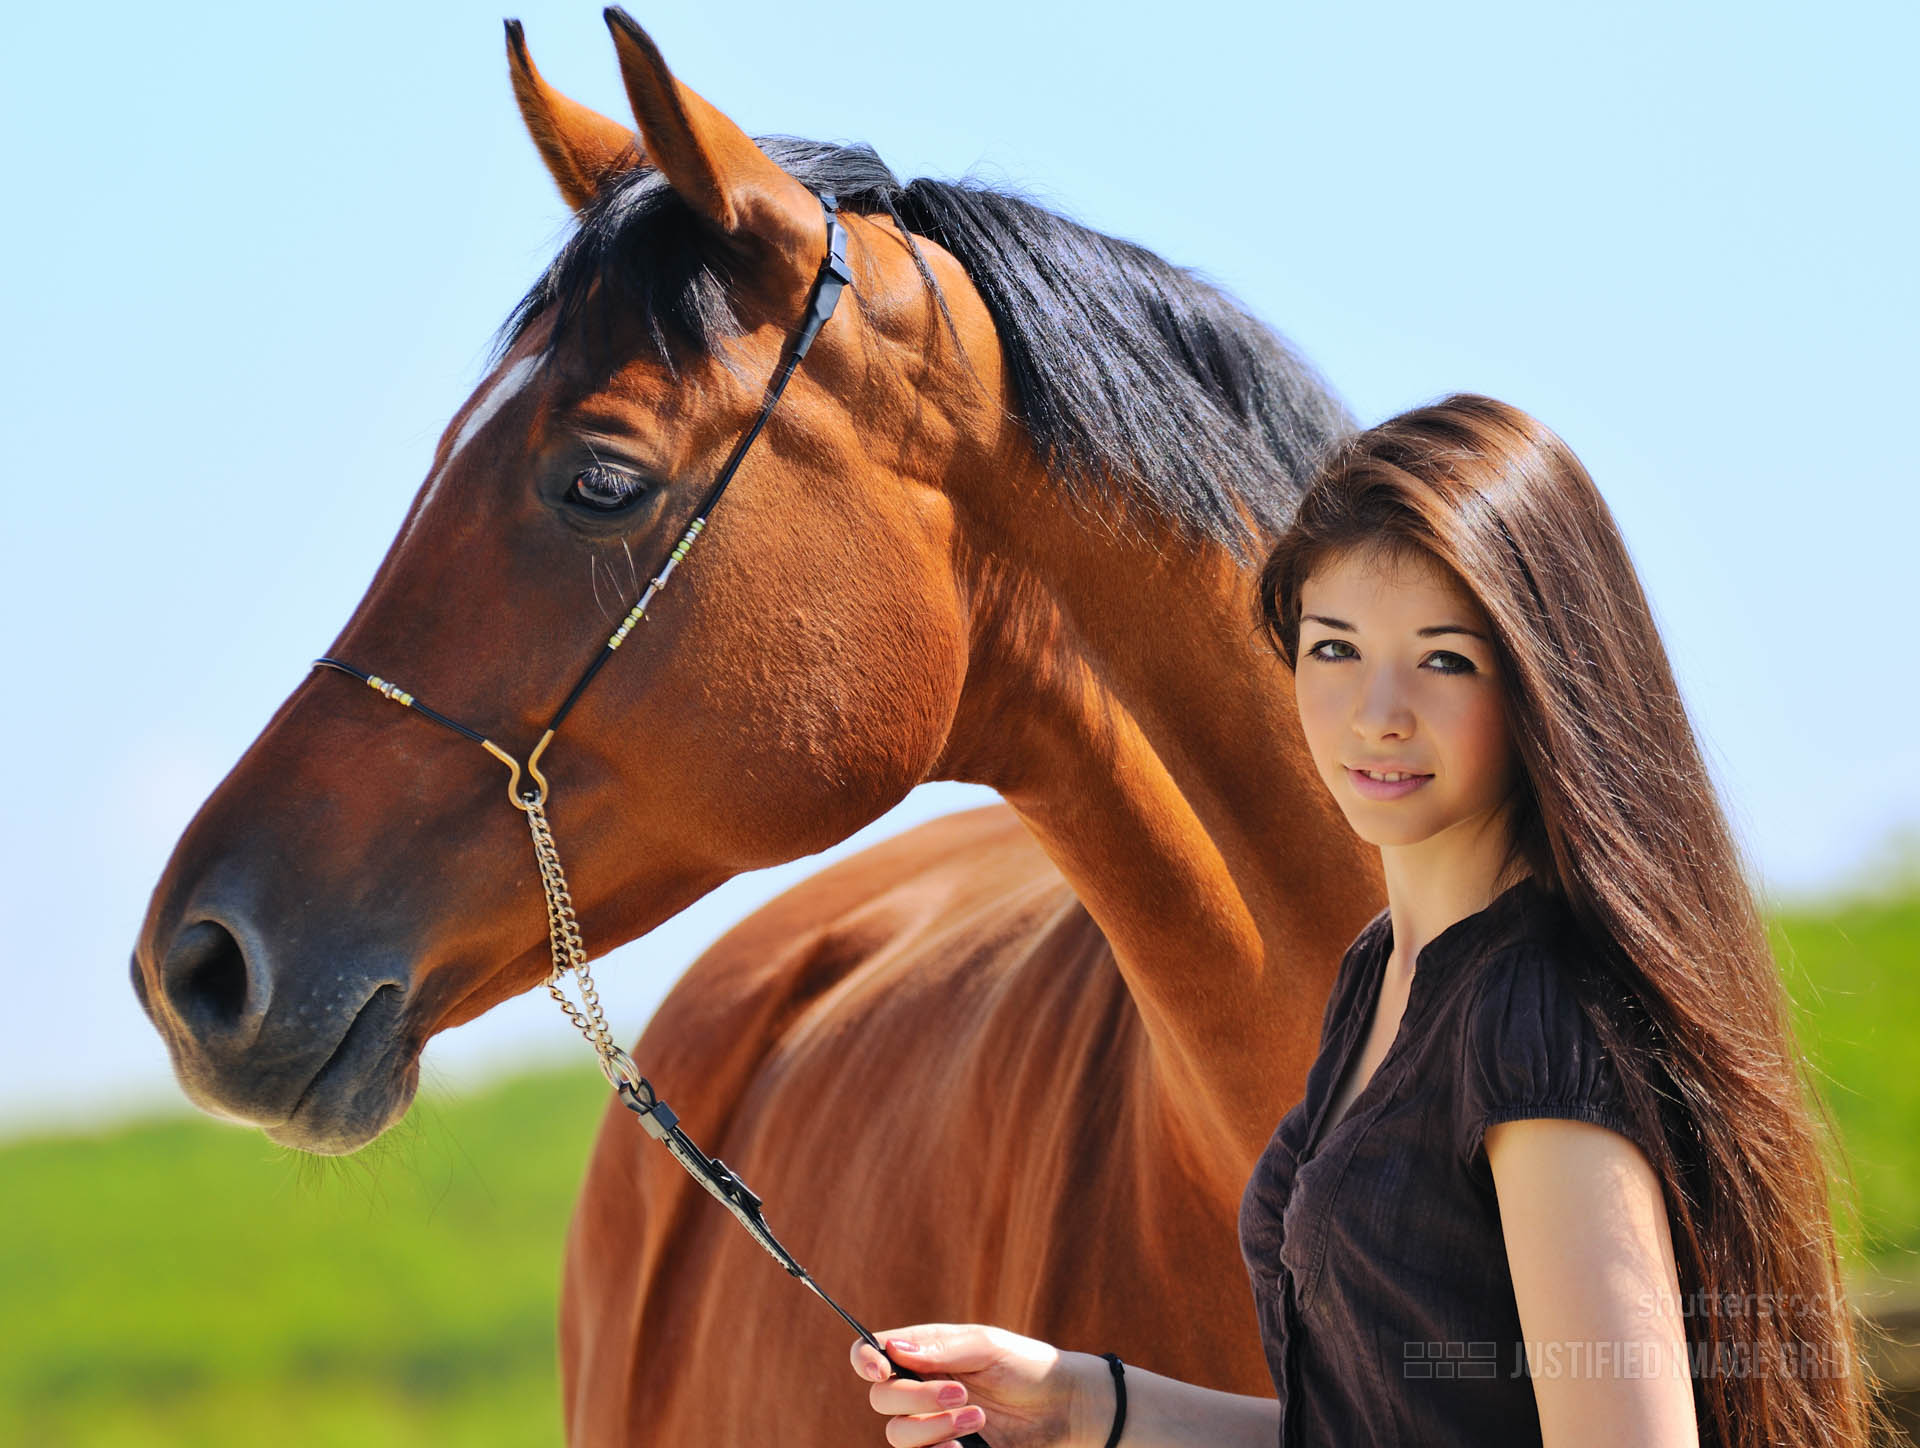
point(1138, 381)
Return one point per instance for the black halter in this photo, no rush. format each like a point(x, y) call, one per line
point(821, 301)
point(634, 1090)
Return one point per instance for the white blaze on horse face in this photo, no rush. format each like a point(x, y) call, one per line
point(503, 391)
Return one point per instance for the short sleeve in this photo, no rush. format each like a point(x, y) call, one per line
point(1529, 1050)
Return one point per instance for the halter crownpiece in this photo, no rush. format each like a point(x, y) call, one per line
point(563, 927)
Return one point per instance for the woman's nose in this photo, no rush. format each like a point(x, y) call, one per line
point(1380, 709)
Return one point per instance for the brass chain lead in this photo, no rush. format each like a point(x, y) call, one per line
point(570, 956)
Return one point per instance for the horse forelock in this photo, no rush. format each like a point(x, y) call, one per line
point(1140, 383)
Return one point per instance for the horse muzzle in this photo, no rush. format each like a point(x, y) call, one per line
point(314, 1052)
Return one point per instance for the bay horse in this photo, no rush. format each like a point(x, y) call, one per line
point(1013, 1065)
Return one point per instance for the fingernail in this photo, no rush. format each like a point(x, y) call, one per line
point(967, 1419)
point(951, 1396)
point(900, 1344)
point(876, 1371)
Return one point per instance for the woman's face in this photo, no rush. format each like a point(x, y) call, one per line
point(1397, 675)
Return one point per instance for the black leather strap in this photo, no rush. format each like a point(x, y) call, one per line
point(828, 282)
point(1119, 1398)
point(833, 277)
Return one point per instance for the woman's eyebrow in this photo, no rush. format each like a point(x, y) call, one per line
point(1425, 633)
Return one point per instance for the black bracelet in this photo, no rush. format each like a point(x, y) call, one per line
point(1119, 1398)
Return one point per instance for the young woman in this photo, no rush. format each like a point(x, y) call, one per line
point(1555, 1177)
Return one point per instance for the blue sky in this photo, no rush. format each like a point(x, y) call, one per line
point(255, 255)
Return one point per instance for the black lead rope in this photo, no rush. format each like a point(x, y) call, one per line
point(732, 1193)
point(635, 1091)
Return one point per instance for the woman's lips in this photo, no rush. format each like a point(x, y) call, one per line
point(1368, 787)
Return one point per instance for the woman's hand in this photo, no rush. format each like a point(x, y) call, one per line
point(1015, 1391)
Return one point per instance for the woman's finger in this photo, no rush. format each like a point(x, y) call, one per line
point(927, 1347)
point(933, 1428)
point(903, 1395)
point(872, 1365)
point(943, 1347)
point(868, 1363)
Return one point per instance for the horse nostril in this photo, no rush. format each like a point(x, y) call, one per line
point(206, 976)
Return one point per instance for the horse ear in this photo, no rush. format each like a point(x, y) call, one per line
point(711, 163)
point(581, 147)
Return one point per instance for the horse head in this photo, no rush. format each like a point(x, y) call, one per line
point(354, 885)
point(861, 616)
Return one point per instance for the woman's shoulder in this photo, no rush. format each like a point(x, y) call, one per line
point(1536, 981)
point(1528, 1037)
point(1541, 968)
point(1529, 991)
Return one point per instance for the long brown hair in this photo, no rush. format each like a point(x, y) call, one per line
point(1615, 812)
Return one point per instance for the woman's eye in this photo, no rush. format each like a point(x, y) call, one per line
point(1316, 651)
point(604, 489)
point(1451, 663)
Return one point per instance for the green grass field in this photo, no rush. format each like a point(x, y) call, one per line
point(1851, 970)
point(183, 1282)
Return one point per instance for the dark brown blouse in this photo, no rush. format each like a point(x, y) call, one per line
point(1378, 1266)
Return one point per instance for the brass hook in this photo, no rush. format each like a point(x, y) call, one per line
point(533, 764)
point(513, 783)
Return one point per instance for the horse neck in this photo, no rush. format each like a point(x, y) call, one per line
point(1119, 697)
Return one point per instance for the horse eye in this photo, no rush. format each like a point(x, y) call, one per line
point(603, 489)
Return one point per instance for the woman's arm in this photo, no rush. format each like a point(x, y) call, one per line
point(1032, 1395)
point(1167, 1413)
point(1595, 1282)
